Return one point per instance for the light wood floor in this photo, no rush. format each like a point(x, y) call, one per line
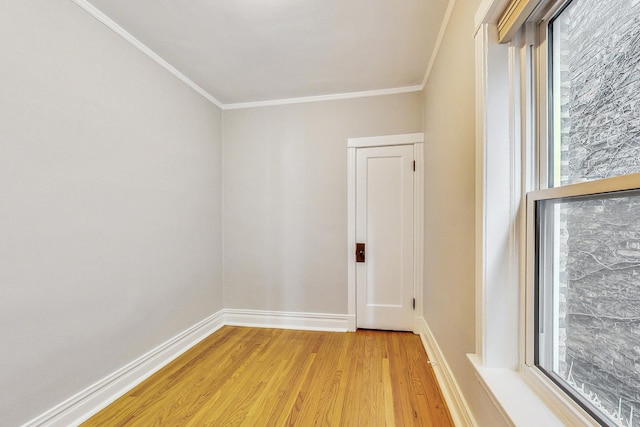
point(273, 377)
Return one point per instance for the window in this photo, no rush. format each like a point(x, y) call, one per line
point(584, 227)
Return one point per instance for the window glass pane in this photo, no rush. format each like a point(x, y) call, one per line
point(595, 82)
point(589, 301)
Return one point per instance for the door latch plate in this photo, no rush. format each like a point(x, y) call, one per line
point(360, 252)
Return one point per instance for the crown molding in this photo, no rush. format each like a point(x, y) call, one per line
point(112, 25)
point(319, 98)
point(436, 47)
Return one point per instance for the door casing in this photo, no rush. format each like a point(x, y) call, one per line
point(417, 140)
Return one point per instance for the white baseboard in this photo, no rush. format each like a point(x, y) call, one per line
point(89, 401)
point(289, 320)
point(451, 392)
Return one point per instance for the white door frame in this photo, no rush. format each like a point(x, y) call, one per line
point(417, 140)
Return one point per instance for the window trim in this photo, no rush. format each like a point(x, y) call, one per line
point(603, 186)
point(513, 17)
point(541, 112)
point(607, 186)
point(503, 72)
point(500, 236)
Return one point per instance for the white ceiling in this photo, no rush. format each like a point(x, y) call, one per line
point(242, 51)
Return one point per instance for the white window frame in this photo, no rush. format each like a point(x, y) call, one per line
point(511, 162)
point(538, 114)
point(600, 187)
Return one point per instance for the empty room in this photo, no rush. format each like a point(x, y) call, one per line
point(343, 213)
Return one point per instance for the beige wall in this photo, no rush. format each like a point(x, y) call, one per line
point(110, 236)
point(449, 282)
point(285, 198)
point(111, 203)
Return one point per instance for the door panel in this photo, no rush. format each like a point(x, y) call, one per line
point(384, 222)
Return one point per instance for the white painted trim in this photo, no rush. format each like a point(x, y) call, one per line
point(112, 25)
point(320, 98)
point(555, 399)
point(497, 199)
point(380, 141)
point(351, 236)
point(436, 46)
point(457, 404)
point(518, 403)
point(489, 12)
point(287, 320)
point(417, 139)
point(418, 230)
point(502, 177)
point(115, 27)
point(480, 157)
point(89, 401)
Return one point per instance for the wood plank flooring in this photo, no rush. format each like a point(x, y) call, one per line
point(274, 377)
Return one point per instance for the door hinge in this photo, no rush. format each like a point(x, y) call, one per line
point(414, 303)
point(414, 165)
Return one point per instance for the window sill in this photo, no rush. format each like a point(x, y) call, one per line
point(515, 399)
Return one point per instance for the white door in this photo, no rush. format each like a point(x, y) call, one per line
point(384, 223)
